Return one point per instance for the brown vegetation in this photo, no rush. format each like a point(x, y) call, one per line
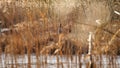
point(31, 26)
point(51, 27)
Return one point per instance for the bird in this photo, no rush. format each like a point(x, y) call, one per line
point(60, 28)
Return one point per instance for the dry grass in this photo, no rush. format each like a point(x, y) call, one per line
point(34, 29)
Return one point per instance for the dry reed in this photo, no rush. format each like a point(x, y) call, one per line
point(34, 31)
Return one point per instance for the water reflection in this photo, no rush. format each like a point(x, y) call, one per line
point(58, 61)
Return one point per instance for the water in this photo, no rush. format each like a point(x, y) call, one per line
point(7, 61)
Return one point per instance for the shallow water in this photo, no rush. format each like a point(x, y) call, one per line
point(9, 61)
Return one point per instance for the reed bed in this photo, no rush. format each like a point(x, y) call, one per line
point(53, 34)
